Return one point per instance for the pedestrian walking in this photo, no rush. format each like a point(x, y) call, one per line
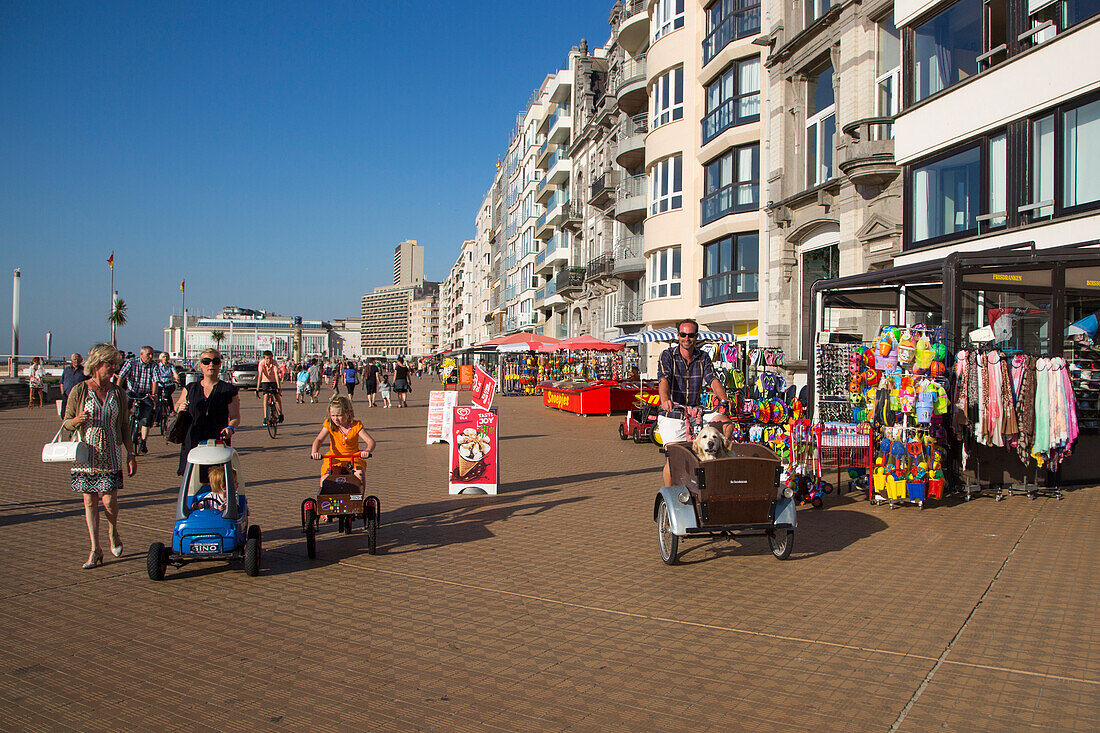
point(36, 377)
point(384, 390)
point(97, 409)
point(370, 383)
point(351, 378)
point(401, 383)
point(72, 375)
point(314, 380)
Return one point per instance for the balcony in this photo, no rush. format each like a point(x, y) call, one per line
point(572, 216)
point(560, 166)
point(599, 267)
point(630, 203)
point(628, 313)
point(629, 260)
point(632, 25)
point(630, 149)
point(509, 264)
point(731, 199)
point(544, 192)
point(556, 252)
point(630, 85)
point(561, 125)
point(526, 319)
point(570, 280)
point(563, 85)
point(555, 212)
point(602, 191)
point(732, 112)
point(728, 287)
point(543, 155)
point(739, 24)
point(866, 153)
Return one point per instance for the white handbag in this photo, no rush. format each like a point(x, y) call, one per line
point(66, 451)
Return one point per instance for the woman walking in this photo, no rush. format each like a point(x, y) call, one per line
point(97, 409)
point(36, 381)
point(351, 378)
point(214, 405)
point(401, 381)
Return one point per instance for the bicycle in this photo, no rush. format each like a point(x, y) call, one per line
point(139, 404)
point(162, 410)
point(271, 412)
point(694, 419)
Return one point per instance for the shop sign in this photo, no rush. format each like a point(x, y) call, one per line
point(1083, 277)
point(465, 373)
point(560, 400)
point(440, 406)
point(474, 458)
point(484, 389)
point(1038, 278)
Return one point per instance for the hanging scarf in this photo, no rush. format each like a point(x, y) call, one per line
point(1059, 422)
point(993, 398)
point(1009, 425)
point(981, 434)
point(959, 422)
point(1042, 411)
point(1025, 407)
point(1071, 407)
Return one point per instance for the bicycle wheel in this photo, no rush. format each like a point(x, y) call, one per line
point(272, 418)
point(135, 430)
point(162, 416)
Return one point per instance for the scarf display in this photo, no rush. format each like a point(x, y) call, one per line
point(1025, 404)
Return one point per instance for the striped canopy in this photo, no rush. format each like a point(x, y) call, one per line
point(667, 334)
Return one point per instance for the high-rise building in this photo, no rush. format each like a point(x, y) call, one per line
point(385, 318)
point(408, 263)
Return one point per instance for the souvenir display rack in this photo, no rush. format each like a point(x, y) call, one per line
point(832, 379)
point(519, 373)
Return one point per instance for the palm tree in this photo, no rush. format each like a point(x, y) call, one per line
point(117, 318)
point(218, 337)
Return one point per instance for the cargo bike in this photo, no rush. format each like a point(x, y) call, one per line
point(736, 496)
point(341, 496)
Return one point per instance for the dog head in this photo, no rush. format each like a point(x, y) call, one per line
point(709, 443)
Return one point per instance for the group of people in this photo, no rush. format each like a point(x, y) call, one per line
point(378, 381)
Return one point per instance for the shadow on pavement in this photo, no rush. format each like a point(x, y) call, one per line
point(818, 533)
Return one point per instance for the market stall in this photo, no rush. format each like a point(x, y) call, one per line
point(595, 377)
point(517, 369)
point(979, 374)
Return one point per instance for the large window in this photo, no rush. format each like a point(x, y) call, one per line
point(1081, 155)
point(668, 15)
point(667, 185)
point(946, 196)
point(731, 267)
point(1041, 205)
point(664, 273)
point(668, 97)
point(946, 48)
point(733, 98)
point(820, 127)
point(819, 263)
point(732, 183)
point(727, 21)
point(888, 72)
point(997, 184)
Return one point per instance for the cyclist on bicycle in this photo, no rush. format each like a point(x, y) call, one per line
point(139, 377)
point(167, 379)
point(268, 381)
point(683, 372)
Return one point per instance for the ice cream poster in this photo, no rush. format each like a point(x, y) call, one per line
point(474, 459)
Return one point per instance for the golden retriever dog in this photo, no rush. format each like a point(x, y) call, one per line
point(709, 444)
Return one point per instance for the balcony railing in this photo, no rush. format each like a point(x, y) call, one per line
point(560, 240)
point(632, 186)
point(630, 71)
point(866, 154)
point(602, 188)
point(731, 199)
point(559, 198)
point(628, 8)
point(731, 113)
point(738, 24)
point(728, 287)
point(629, 247)
point(629, 312)
point(551, 288)
point(509, 263)
point(600, 266)
point(556, 156)
point(561, 112)
point(570, 277)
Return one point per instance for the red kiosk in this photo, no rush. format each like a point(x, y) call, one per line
point(599, 397)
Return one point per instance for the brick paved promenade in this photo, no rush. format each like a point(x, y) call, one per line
point(544, 608)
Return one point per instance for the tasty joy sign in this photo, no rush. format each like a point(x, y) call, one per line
point(474, 459)
point(483, 389)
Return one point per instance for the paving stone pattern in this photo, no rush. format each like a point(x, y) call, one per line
point(545, 608)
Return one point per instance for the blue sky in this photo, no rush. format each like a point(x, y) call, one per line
point(270, 153)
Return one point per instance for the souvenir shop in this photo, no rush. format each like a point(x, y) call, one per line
point(588, 376)
point(978, 373)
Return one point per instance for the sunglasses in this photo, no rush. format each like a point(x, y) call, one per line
point(207, 361)
point(688, 335)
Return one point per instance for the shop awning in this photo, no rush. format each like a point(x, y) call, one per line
point(589, 343)
point(516, 338)
point(667, 334)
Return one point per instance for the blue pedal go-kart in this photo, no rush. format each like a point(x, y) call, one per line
point(211, 516)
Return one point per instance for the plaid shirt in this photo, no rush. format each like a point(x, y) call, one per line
point(139, 377)
point(686, 380)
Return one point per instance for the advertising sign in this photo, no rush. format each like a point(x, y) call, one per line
point(474, 459)
point(465, 373)
point(483, 390)
point(265, 342)
point(570, 402)
point(440, 406)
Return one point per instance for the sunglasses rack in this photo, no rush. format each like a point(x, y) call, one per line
point(832, 375)
point(1083, 358)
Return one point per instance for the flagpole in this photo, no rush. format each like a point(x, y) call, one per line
point(183, 315)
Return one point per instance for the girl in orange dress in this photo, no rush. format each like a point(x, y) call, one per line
point(344, 433)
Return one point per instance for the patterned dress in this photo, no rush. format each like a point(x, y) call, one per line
point(101, 432)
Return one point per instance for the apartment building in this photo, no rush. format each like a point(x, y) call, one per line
point(833, 187)
point(999, 134)
point(347, 335)
point(424, 325)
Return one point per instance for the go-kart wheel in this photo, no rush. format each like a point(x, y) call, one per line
point(637, 436)
point(252, 557)
point(667, 542)
point(816, 502)
point(372, 535)
point(782, 542)
point(311, 533)
point(254, 531)
point(622, 432)
point(156, 561)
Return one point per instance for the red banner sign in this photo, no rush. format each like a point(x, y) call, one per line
point(474, 459)
point(483, 390)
